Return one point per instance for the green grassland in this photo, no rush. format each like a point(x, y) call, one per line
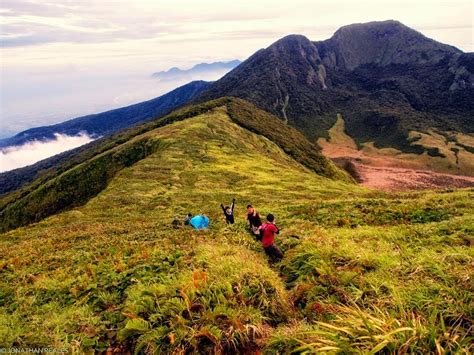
point(363, 271)
point(72, 182)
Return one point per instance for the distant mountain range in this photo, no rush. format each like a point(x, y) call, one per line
point(202, 68)
point(385, 78)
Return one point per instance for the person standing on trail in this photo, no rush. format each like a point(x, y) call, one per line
point(254, 220)
point(268, 231)
point(229, 212)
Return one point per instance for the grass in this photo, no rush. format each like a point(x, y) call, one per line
point(73, 182)
point(363, 271)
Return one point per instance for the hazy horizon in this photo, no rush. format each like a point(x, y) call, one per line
point(64, 59)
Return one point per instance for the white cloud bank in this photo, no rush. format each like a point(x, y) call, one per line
point(19, 156)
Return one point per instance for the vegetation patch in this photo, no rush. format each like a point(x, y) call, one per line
point(91, 169)
point(375, 212)
point(446, 152)
point(221, 306)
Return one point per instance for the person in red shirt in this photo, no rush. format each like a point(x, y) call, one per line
point(269, 230)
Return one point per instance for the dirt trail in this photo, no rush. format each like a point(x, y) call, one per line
point(402, 179)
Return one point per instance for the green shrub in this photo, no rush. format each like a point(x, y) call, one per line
point(222, 306)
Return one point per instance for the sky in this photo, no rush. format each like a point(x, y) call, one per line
point(63, 58)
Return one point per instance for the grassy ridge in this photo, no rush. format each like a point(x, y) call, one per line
point(74, 182)
point(291, 141)
point(64, 162)
point(363, 271)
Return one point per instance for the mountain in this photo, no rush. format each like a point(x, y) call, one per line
point(177, 73)
point(390, 84)
point(380, 43)
point(108, 271)
point(386, 80)
point(112, 121)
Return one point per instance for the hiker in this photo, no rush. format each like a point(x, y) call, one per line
point(229, 212)
point(254, 220)
point(201, 221)
point(187, 219)
point(267, 232)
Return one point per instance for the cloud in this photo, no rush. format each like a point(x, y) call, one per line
point(19, 156)
point(34, 30)
point(35, 22)
point(22, 7)
point(42, 22)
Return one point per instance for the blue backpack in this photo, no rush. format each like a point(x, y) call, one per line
point(200, 222)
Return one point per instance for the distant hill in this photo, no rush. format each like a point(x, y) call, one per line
point(385, 78)
point(114, 120)
point(176, 73)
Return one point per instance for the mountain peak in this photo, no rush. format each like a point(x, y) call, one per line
point(292, 38)
point(380, 25)
point(387, 30)
point(381, 43)
point(292, 43)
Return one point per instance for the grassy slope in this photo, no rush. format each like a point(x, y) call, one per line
point(72, 182)
point(359, 265)
point(449, 152)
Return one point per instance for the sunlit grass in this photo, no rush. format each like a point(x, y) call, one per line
point(363, 271)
